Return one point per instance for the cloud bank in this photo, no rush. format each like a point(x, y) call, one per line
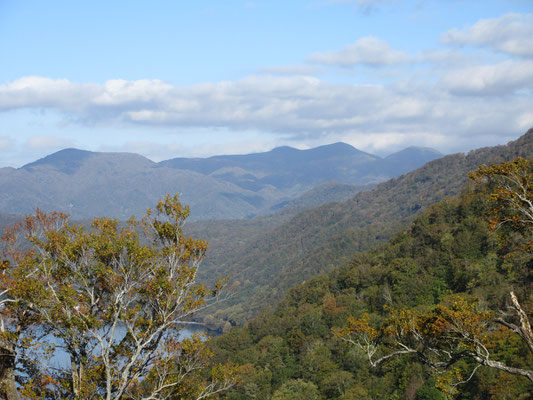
point(511, 34)
point(471, 101)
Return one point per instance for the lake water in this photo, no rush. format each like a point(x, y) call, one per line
point(61, 359)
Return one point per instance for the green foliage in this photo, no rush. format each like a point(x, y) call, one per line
point(428, 391)
point(296, 389)
point(113, 300)
point(267, 262)
point(449, 249)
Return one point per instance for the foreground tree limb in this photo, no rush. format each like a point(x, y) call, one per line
point(447, 334)
point(438, 338)
point(114, 299)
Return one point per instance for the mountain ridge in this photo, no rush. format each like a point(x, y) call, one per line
point(87, 184)
point(316, 240)
point(67, 154)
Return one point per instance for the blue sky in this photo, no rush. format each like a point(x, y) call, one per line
point(198, 78)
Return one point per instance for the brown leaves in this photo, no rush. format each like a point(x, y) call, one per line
point(511, 196)
point(358, 331)
point(84, 286)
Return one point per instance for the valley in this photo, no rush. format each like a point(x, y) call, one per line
point(296, 272)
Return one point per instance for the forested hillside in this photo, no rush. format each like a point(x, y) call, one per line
point(290, 351)
point(317, 240)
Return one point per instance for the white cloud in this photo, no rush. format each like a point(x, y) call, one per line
point(370, 51)
point(499, 79)
point(291, 70)
point(296, 108)
point(76, 98)
point(449, 58)
point(120, 91)
point(34, 91)
point(510, 33)
point(524, 120)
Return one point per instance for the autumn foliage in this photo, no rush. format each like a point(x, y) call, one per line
point(114, 299)
point(456, 337)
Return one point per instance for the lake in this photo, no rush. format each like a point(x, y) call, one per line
point(61, 359)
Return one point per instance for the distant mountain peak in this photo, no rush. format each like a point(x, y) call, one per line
point(337, 146)
point(66, 160)
point(339, 149)
point(340, 145)
point(421, 148)
point(283, 149)
point(62, 155)
point(69, 161)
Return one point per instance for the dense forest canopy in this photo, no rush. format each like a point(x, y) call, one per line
point(447, 252)
point(263, 265)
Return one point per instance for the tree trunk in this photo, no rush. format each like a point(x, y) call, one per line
point(524, 330)
point(7, 372)
point(76, 378)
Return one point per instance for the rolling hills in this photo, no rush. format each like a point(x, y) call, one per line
point(87, 184)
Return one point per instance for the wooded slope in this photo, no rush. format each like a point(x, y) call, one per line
point(317, 240)
point(291, 349)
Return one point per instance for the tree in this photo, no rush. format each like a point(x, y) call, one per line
point(296, 389)
point(511, 199)
point(13, 321)
point(114, 298)
point(438, 338)
point(458, 331)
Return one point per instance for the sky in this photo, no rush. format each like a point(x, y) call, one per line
point(198, 78)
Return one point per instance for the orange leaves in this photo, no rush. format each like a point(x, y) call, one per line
point(399, 323)
point(511, 185)
point(329, 305)
point(517, 168)
point(438, 336)
point(171, 207)
point(362, 326)
point(461, 320)
point(356, 328)
point(112, 299)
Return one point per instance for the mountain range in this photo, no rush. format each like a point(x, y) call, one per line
point(267, 258)
point(302, 268)
point(85, 184)
point(299, 237)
